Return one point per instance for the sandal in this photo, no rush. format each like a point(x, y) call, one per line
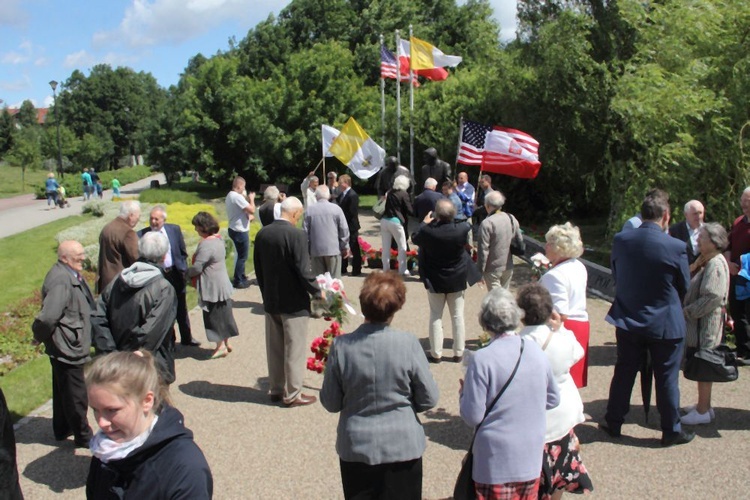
point(219, 354)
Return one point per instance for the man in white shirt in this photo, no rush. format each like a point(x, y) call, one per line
point(308, 187)
point(688, 230)
point(465, 193)
point(240, 211)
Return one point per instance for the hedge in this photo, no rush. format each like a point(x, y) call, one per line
point(74, 187)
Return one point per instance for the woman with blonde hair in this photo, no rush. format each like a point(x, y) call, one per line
point(566, 281)
point(50, 188)
point(143, 449)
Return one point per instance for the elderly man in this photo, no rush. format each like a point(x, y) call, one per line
point(240, 211)
point(348, 200)
point(449, 192)
point(435, 167)
point(424, 203)
point(688, 230)
point(138, 309)
point(308, 187)
point(282, 265)
point(480, 212)
point(465, 192)
point(496, 232)
point(270, 210)
point(739, 244)
point(328, 234)
point(651, 273)
point(333, 185)
point(64, 327)
point(118, 244)
point(175, 266)
point(444, 271)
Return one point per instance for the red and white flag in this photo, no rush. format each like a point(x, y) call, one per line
point(499, 150)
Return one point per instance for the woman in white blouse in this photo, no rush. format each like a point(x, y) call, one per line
point(562, 467)
point(566, 281)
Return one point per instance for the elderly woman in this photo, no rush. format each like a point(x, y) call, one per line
point(562, 467)
point(50, 189)
point(397, 209)
point(378, 378)
point(703, 303)
point(566, 281)
point(214, 288)
point(509, 442)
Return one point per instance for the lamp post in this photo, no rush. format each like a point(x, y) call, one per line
point(60, 172)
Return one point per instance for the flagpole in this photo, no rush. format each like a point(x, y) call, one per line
point(382, 97)
point(398, 97)
point(411, 108)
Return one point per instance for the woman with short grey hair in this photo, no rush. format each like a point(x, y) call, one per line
point(508, 444)
point(703, 309)
point(566, 281)
point(397, 210)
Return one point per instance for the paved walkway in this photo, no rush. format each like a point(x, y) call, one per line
point(24, 212)
point(261, 450)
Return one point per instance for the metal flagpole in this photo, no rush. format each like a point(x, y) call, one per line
point(411, 108)
point(382, 95)
point(398, 97)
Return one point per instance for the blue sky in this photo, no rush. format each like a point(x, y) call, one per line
point(44, 40)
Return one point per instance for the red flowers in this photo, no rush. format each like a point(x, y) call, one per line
point(321, 346)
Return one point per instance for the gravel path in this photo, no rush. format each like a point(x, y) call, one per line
point(260, 450)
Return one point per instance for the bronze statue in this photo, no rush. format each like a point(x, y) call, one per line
point(435, 167)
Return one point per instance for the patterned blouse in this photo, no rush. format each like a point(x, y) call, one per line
point(703, 304)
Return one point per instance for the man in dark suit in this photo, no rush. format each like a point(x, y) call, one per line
point(282, 266)
point(425, 202)
point(175, 266)
point(348, 200)
point(687, 231)
point(444, 268)
point(651, 273)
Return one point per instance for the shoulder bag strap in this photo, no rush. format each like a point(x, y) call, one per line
point(549, 337)
point(492, 405)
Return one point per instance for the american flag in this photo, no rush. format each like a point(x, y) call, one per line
point(389, 68)
point(500, 150)
point(473, 136)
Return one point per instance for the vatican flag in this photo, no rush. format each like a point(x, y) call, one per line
point(354, 148)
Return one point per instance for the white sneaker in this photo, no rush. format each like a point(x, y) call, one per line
point(691, 408)
point(406, 273)
point(695, 418)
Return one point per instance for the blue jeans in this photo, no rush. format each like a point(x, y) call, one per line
point(241, 240)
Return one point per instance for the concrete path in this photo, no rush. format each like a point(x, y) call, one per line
point(261, 450)
point(24, 212)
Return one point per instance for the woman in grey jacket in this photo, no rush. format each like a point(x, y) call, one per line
point(378, 378)
point(703, 304)
point(214, 288)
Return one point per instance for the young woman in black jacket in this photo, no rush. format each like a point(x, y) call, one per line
point(143, 449)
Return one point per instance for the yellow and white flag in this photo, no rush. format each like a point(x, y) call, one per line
point(355, 149)
point(329, 134)
point(427, 56)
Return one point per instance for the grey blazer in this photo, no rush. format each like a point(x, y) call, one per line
point(213, 282)
point(378, 378)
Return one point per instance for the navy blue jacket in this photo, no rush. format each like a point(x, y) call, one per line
point(176, 245)
point(169, 465)
point(651, 275)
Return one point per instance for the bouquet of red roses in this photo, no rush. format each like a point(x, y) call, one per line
point(335, 307)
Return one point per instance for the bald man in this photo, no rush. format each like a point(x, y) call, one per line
point(64, 327)
point(688, 229)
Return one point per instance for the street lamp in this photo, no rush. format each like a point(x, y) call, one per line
point(60, 172)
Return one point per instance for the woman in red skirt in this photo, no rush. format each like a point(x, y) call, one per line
point(566, 281)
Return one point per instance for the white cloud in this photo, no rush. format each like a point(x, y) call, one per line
point(18, 85)
point(41, 61)
point(78, 59)
point(14, 58)
point(155, 22)
point(48, 101)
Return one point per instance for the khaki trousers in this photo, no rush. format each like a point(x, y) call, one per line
point(286, 347)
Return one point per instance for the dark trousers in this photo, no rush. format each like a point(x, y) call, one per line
point(740, 311)
point(356, 257)
point(177, 280)
point(69, 402)
point(241, 241)
point(394, 481)
point(666, 356)
point(9, 487)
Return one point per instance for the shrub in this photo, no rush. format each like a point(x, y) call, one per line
point(73, 186)
point(169, 196)
point(94, 207)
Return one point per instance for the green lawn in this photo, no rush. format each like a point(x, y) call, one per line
point(10, 180)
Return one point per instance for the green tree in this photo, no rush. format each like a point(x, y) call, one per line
point(27, 115)
point(25, 152)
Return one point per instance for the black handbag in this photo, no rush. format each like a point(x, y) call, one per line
point(712, 365)
point(464, 488)
point(517, 243)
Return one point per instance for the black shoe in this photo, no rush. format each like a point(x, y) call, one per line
point(356, 273)
point(613, 432)
point(675, 439)
point(434, 360)
point(192, 343)
point(82, 443)
point(242, 284)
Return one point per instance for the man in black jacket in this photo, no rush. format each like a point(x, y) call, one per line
point(64, 326)
point(444, 268)
point(138, 309)
point(688, 230)
point(348, 200)
point(282, 266)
